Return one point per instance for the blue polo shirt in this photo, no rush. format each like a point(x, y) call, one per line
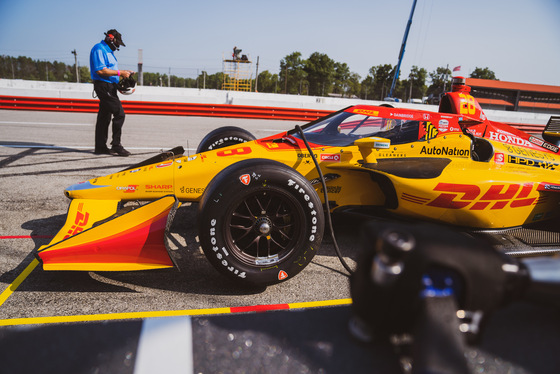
point(102, 56)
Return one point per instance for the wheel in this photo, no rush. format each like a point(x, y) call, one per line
point(223, 137)
point(260, 222)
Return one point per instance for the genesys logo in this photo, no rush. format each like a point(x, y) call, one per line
point(330, 157)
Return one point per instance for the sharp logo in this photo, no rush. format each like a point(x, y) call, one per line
point(159, 186)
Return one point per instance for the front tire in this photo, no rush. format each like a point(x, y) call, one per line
point(224, 137)
point(260, 222)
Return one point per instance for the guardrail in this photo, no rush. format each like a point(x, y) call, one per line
point(185, 109)
point(163, 108)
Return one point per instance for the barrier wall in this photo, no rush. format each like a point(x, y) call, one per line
point(63, 96)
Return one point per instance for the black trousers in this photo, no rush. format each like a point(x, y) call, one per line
point(109, 106)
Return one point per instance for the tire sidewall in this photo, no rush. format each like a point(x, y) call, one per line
point(224, 137)
point(228, 189)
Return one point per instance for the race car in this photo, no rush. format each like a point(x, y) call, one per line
point(262, 203)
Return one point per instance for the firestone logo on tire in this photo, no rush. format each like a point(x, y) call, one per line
point(245, 179)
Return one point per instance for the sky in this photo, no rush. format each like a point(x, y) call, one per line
point(519, 40)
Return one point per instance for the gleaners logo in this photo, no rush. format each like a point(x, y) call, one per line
point(470, 196)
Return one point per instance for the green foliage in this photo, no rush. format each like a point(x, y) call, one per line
point(483, 73)
point(317, 75)
point(441, 81)
point(415, 86)
point(213, 81)
point(268, 82)
point(382, 80)
point(26, 68)
point(292, 73)
point(320, 73)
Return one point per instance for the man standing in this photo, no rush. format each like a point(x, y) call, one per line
point(105, 74)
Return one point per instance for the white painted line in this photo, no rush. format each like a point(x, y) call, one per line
point(45, 123)
point(165, 346)
point(84, 147)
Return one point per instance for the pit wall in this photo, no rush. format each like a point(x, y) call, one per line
point(15, 87)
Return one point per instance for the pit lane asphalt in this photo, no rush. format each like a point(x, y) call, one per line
point(41, 153)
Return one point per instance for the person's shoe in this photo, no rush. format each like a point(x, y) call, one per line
point(102, 151)
point(119, 151)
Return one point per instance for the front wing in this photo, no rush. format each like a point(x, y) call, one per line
point(96, 237)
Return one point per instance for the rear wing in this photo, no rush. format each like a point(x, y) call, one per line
point(551, 132)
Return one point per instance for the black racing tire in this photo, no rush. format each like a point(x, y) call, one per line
point(260, 222)
point(224, 137)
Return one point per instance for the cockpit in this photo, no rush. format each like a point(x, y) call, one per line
point(343, 128)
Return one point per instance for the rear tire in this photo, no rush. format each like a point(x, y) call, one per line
point(260, 222)
point(224, 137)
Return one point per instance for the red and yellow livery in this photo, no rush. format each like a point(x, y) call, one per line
point(261, 200)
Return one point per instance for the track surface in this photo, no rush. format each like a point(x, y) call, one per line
point(41, 153)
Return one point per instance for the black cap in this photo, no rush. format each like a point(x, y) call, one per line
point(118, 37)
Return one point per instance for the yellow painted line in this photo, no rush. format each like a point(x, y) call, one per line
point(15, 284)
point(141, 315)
point(317, 304)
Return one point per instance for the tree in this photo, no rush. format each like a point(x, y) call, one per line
point(441, 81)
point(367, 88)
point(292, 74)
point(354, 87)
point(268, 82)
point(382, 80)
point(483, 73)
point(85, 76)
point(320, 72)
point(415, 86)
point(341, 78)
point(215, 81)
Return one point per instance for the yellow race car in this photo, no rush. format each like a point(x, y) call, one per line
point(262, 202)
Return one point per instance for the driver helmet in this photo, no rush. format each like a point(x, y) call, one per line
point(388, 124)
point(127, 86)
